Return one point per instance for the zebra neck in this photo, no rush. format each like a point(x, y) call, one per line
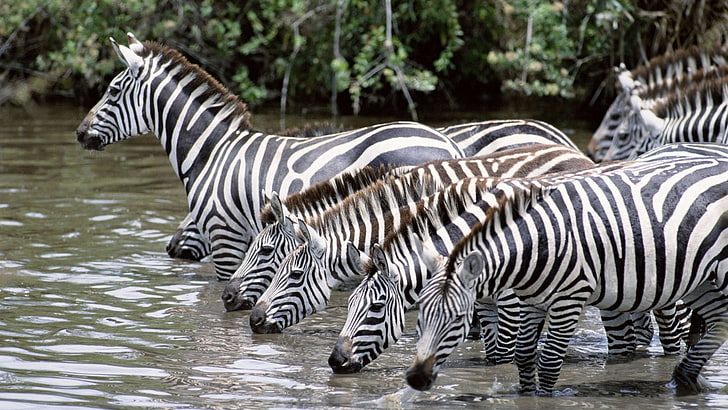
point(192, 122)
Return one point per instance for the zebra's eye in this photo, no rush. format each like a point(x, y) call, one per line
point(296, 273)
point(377, 307)
point(266, 250)
point(114, 91)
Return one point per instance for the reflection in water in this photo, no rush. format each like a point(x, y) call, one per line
point(94, 314)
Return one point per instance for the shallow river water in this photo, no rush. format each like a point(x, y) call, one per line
point(94, 314)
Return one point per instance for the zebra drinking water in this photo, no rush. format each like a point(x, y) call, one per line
point(305, 278)
point(224, 164)
point(256, 270)
point(633, 239)
point(395, 275)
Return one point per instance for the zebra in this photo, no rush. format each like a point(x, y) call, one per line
point(329, 254)
point(278, 238)
point(640, 237)
point(188, 243)
point(257, 270)
point(475, 139)
point(395, 275)
point(699, 114)
point(223, 163)
point(665, 75)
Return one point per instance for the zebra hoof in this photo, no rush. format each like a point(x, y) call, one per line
point(687, 386)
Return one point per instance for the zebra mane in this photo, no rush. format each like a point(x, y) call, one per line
point(214, 88)
point(375, 199)
point(435, 212)
point(326, 192)
point(709, 92)
point(313, 130)
point(514, 197)
point(678, 64)
point(664, 90)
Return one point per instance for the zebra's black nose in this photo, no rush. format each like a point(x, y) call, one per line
point(259, 322)
point(420, 375)
point(340, 359)
point(231, 296)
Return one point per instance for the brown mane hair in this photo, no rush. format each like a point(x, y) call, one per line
point(214, 88)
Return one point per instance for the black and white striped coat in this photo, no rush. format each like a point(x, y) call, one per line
point(475, 139)
point(223, 164)
point(640, 237)
point(360, 221)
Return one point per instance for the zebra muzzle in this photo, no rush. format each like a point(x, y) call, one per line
point(89, 142)
point(420, 376)
point(340, 359)
point(259, 322)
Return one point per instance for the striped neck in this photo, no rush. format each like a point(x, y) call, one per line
point(188, 110)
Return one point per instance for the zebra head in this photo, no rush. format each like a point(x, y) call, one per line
point(119, 114)
point(262, 260)
point(446, 309)
point(298, 289)
point(376, 318)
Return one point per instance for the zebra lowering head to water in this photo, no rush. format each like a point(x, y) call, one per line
point(474, 138)
point(303, 282)
point(395, 275)
point(278, 238)
point(633, 239)
point(224, 164)
point(257, 270)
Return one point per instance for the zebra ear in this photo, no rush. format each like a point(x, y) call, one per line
point(471, 268)
point(380, 261)
point(135, 45)
point(652, 122)
point(310, 237)
point(356, 258)
point(279, 210)
point(130, 58)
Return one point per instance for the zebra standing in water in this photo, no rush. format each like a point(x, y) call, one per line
point(637, 238)
point(222, 163)
point(475, 139)
point(256, 270)
point(395, 274)
point(302, 285)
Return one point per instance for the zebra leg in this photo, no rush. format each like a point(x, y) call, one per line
point(563, 318)
point(188, 242)
point(509, 312)
point(643, 331)
point(487, 318)
point(532, 322)
point(673, 324)
point(712, 305)
point(621, 339)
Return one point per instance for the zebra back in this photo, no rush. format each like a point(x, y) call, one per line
point(487, 137)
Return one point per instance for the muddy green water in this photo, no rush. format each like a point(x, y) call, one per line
point(93, 314)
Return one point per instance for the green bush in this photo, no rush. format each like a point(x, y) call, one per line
point(302, 52)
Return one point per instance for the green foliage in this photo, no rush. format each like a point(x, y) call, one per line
point(305, 50)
